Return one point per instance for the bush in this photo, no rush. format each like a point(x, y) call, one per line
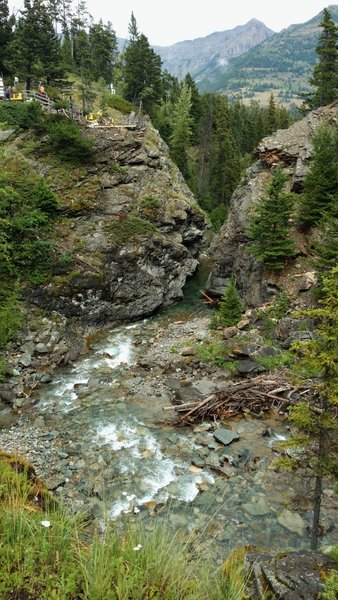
point(24, 115)
point(231, 306)
point(119, 103)
point(129, 228)
point(64, 139)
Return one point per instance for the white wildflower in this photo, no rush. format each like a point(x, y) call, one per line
point(136, 510)
point(46, 523)
point(137, 548)
point(131, 497)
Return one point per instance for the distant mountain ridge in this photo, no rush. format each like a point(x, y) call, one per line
point(201, 56)
point(281, 63)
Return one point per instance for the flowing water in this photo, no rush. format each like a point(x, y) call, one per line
point(140, 465)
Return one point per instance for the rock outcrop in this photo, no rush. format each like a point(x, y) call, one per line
point(291, 149)
point(130, 231)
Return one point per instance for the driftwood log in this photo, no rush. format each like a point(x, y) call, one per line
point(253, 396)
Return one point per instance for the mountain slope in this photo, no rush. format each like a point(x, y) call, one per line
point(202, 56)
point(283, 62)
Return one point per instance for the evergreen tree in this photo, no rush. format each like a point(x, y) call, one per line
point(327, 248)
point(6, 28)
point(142, 74)
point(34, 52)
point(225, 167)
point(231, 306)
point(181, 129)
point(195, 110)
point(272, 117)
point(103, 46)
point(321, 181)
point(270, 226)
point(316, 419)
point(132, 29)
point(325, 73)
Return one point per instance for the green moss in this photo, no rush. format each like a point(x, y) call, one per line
point(130, 228)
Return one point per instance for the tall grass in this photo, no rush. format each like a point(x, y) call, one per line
point(45, 554)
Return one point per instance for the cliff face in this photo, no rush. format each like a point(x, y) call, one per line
point(129, 233)
point(291, 149)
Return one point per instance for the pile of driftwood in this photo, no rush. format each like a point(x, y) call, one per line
point(253, 396)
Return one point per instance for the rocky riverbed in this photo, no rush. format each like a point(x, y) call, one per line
point(98, 435)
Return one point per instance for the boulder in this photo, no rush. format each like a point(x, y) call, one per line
point(225, 436)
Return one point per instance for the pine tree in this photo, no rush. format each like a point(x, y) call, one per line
point(325, 73)
point(321, 181)
point(316, 419)
point(270, 225)
point(103, 48)
point(181, 129)
point(34, 52)
point(231, 306)
point(132, 29)
point(6, 28)
point(327, 249)
point(142, 74)
point(272, 117)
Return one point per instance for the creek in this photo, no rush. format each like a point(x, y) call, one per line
point(122, 455)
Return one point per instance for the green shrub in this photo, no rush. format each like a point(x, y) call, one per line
point(331, 586)
point(129, 228)
point(24, 115)
point(231, 307)
point(10, 316)
point(218, 216)
point(119, 103)
point(64, 139)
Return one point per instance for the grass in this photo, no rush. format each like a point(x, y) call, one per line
point(277, 361)
point(45, 554)
point(129, 228)
point(216, 354)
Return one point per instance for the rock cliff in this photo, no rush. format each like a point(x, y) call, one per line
point(291, 149)
point(129, 232)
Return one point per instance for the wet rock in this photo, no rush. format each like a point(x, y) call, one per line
point(188, 394)
point(294, 576)
point(257, 508)
point(225, 436)
point(7, 418)
point(307, 281)
point(229, 332)
point(197, 461)
point(292, 521)
point(248, 367)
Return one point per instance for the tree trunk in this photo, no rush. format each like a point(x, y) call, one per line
point(317, 499)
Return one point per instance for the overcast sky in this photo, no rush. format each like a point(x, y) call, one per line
point(167, 22)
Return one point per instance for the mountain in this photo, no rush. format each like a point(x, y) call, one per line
point(282, 63)
point(203, 56)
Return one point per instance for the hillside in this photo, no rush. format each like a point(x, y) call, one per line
point(282, 63)
point(202, 56)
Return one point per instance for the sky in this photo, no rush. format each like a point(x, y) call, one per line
point(167, 22)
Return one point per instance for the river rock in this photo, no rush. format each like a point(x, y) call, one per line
point(292, 521)
point(248, 367)
point(225, 436)
point(296, 576)
point(257, 508)
point(7, 418)
point(197, 461)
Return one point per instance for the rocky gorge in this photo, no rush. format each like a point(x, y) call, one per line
point(86, 408)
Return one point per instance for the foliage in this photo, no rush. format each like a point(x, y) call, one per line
point(325, 73)
point(181, 129)
point(6, 27)
point(321, 181)
point(10, 316)
point(44, 555)
point(331, 586)
point(280, 306)
point(276, 361)
point(25, 116)
point(270, 225)
point(65, 140)
point(316, 420)
point(130, 227)
point(142, 74)
point(327, 249)
point(218, 216)
point(231, 307)
point(119, 103)
point(216, 354)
